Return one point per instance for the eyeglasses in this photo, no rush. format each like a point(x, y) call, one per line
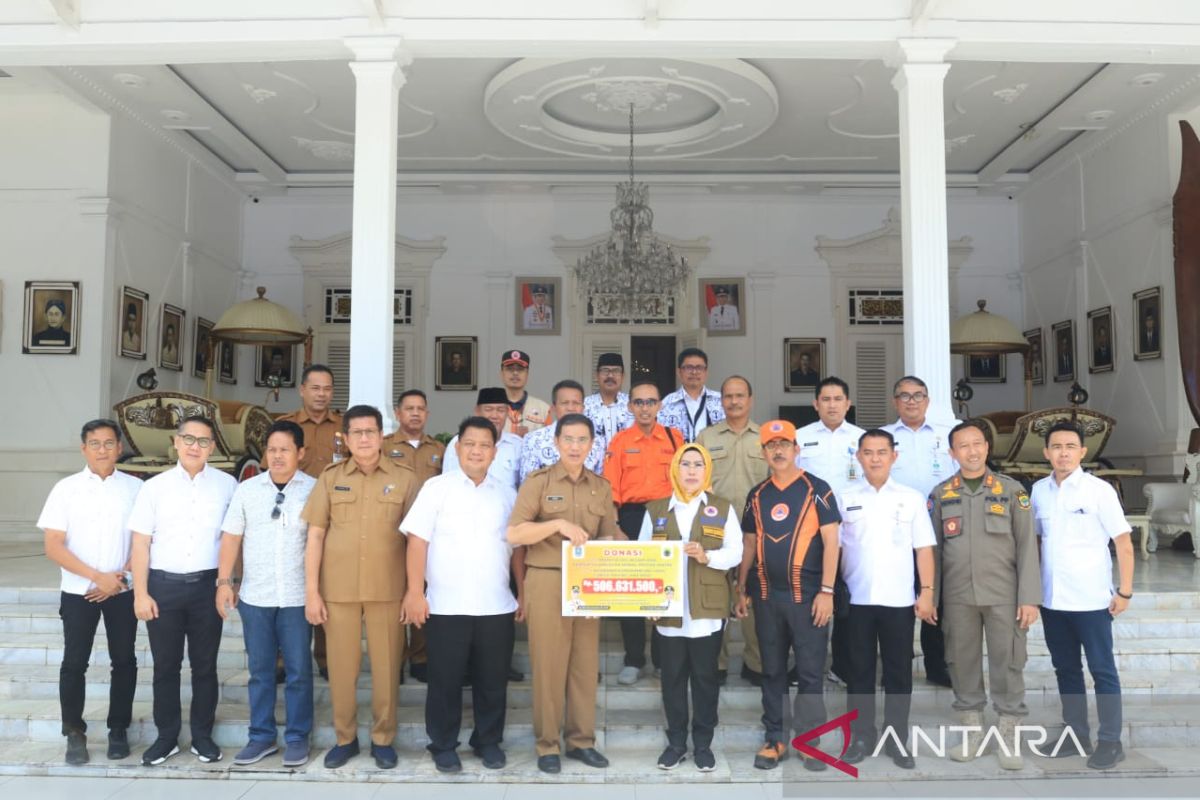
point(694, 368)
point(205, 442)
point(911, 397)
point(363, 433)
point(276, 511)
point(610, 372)
point(777, 444)
point(107, 444)
point(642, 402)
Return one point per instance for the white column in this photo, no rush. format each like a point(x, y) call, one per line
point(377, 81)
point(923, 218)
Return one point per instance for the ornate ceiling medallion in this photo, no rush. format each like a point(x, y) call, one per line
point(579, 107)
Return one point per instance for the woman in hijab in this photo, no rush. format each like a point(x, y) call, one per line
point(689, 646)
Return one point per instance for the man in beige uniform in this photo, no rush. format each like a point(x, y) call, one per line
point(561, 502)
point(355, 573)
point(738, 466)
point(988, 585)
point(411, 445)
point(321, 425)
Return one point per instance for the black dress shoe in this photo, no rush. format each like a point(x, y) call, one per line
point(491, 755)
point(549, 764)
point(755, 678)
point(419, 671)
point(1107, 755)
point(118, 745)
point(588, 755)
point(447, 761)
point(900, 758)
point(857, 751)
point(77, 752)
point(340, 754)
point(515, 676)
point(942, 680)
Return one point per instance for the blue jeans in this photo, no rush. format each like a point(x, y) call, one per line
point(278, 630)
point(1067, 634)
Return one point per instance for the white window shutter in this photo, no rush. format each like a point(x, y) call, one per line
point(871, 384)
point(337, 358)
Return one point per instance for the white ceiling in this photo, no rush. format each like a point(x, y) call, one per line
point(292, 123)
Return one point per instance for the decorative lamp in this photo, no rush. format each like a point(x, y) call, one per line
point(984, 332)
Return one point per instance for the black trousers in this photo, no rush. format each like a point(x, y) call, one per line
point(933, 646)
point(187, 614)
point(690, 662)
point(458, 646)
point(80, 618)
point(633, 629)
point(839, 644)
point(887, 631)
point(782, 623)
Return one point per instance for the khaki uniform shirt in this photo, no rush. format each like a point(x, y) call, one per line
point(738, 461)
point(426, 458)
point(550, 494)
point(363, 560)
point(987, 554)
point(318, 439)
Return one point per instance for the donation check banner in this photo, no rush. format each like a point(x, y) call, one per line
point(623, 579)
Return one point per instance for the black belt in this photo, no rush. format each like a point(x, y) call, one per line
point(183, 577)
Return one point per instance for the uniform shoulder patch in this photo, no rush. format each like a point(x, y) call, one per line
point(1023, 501)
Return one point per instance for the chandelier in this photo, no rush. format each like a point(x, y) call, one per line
point(632, 270)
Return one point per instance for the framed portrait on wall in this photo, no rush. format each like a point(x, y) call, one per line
point(456, 363)
point(538, 306)
point(51, 325)
point(1147, 322)
point(986, 367)
point(134, 315)
point(1102, 341)
point(226, 362)
point(803, 364)
point(1064, 350)
point(273, 365)
point(1037, 356)
point(200, 340)
point(722, 312)
point(170, 337)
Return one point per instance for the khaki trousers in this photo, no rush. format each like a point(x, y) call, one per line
point(564, 653)
point(966, 627)
point(385, 648)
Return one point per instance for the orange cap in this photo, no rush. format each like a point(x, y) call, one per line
point(776, 429)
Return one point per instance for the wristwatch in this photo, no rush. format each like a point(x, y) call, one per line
point(226, 582)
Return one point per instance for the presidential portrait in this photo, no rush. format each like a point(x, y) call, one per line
point(1037, 356)
point(51, 323)
point(170, 337)
point(273, 365)
point(537, 306)
point(1147, 322)
point(986, 367)
point(1101, 340)
point(132, 323)
point(721, 310)
point(804, 363)
point(1063, 334)
point(226, 361)
point(456, 363)
point(200, 343)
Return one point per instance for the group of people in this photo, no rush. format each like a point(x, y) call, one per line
point(437, 552)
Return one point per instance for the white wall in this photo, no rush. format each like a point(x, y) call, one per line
point(766, 235)
point(1094, 230)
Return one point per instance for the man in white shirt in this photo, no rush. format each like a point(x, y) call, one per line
point(883, 523)
point(458, 550)
point(263, 525)
point(723, 316)
point(176, 524)
point(492, 405)
point(923, 461)
point(608, 409)
point(692, 407)
point(1076, 515)
point(828, 449)
point(538, 448)
point(86, 532)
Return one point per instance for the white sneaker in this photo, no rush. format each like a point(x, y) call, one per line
point(628, 676)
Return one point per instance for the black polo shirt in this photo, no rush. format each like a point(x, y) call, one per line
point(788, 523)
